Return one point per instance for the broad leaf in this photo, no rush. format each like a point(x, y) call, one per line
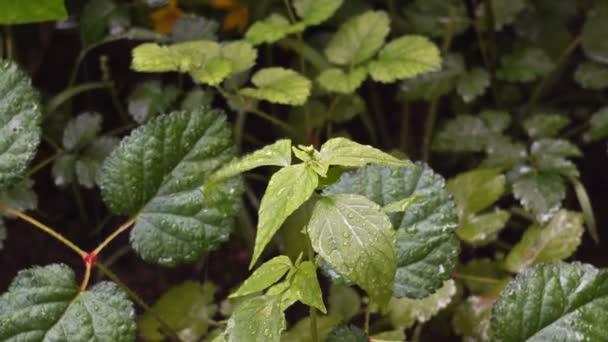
point(157, 174)
point(81, 131)
point(349, 333)
point(287, 190)
point(505, 12)
point(525, 65)
point(404, 312)
point(45, 304)
point(435, 17)
point(565, 302)
point(271, 29)
point(471, 319)
point(358, 39)
point(257, 319)
point(473, 84)
point(19, 123)
point(336, 80)
point(314, 12)
point(305, 286)
point(187, 308)
point(482, 229)
point(427, 248)
point(504, 153)
point(553, 242)
point(477, 189)
point(545, 125)
point(269, 273)
point(592, 75)
point(345, 152)
point(31, 11)
point(464, 133)
point(277, 154)
point(344, 302)
point(300, 332)
point(599, 124)
point(405, 57)
point(279, 85)
point(541, 194)
point(20, 196)
point(241, 55)
point(434, 84)
point(592, 38)
point(99, 18)
point(356, 238)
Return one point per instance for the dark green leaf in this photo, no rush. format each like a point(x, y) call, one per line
point(473, 84)
point(464, 133)
point(20, 196)
point(594, 31)
point(525, 65)
point(504, 153)
point(149, 99)
point(95, 20)
point(343, 302)
point(477, 189)
point(434, 17)
point(504, 11)
point(592, 75)
point(269, 273)
point(472, 319)
point(545, 125)
point(438, 83)
point(81, 131)
point(23, 12)
point(599, 124)
point(541, 194)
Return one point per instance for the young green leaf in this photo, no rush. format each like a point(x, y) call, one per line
point(257, 319)
point(44, 303)
point(338, 81)
point(269, 273)
point(287, 190)
point(545, 125)
point(305, 286)
point(358, 39)
point(187, 308)
point(477, 189)
point(481, 229)
point(271, 29)
point(241, 54)
point(553, 242)
point(405, 57)
point(427, 247)
point(541, 194)
point(553, 302)
point(23, 12)
point(314, 12)
point(525, 65)
point(595, 28)
point(401, 205)
point(151, 57)
point(473, 84)
point(19, 123)
point(356, 238)
point(404, 312)
point(345, 152)
point(592, 75)
point(157, 174)
point(277, 154)
point(279, 85)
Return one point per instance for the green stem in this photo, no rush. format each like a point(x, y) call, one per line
point(43, 164)
point(368, 314)
point(84, 217)
point(106, 75)
point(290, 13)
point(239, 127)
point(69, 93)
point(379, 114)
point(125, 226)
point(10, 45)
point(491, 51)
point(307, 52)
point(476, 278)
point(329, 127)
point(585, 203)
point(312, 312)
point(405, 128)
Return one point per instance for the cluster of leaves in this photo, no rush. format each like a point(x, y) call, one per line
point(349, 212)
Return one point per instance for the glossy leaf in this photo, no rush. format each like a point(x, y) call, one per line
point(279, 85)
point(45, 304)
point(525, 65)
point(314, 12)
point(427, 247)
point(23, 12)
point(257, 319)
point(405, 57)
point(157, 174)
point(473, 84)
point(19, 123)
point(541, 194)
point(187, 308)
point(305, 286)
point(553, 242)
point(553, 302)
point(269, 273)
point(345, 152)
point(336, 80)
point(353, 235)
point(404, 312)
point(287, 190)
point(358, 39)
point(477, 189)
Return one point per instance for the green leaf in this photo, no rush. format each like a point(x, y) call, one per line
point(271, 29)
point(149, 99)
point(525, 65)
point(556, 241)
point(213, 72)
point(566, 302)
point(269, 273)
point(305, 286)
point(488, 269)
point(356, 238)
point(257, 319)
point(591, 75)
point(541, 194)
point(397, 335)
point(477, 189)
point(336, 80)
point(81, 131)
point(427, 248)
point(358, 39)
point(594, 31)
point(481, 229)
point(277, 154)
point(279, 85)
point(435, 17)
point(434, 84)
point(504, 153)
point(471, 319)
point(347, 333)
point(599, 124)
point(314, 12)
point(187, 308)
point(99, 18)
point(191, 27)
point(300, 332)
point(151, 57)
point(157, 174)
point(405, 57)
point(464, 133)
point(345, 152)
point(241, 54)
point(404, 312)
point(287, 190)
point(496, 120)
point(545, 125)
point(554, 147)
point(19, 123)
point(20, 196)
point(88, 166)
point(473, 84)
point(344, 302)
point(505, 12)
point(23, 12)
point(401, 205)
point(45, 304)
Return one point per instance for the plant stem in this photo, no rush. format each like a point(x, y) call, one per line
point(379, 114)
point(329, 127)
point(305, 51)
point(112, 236)
point(82, 211)
point(491, 48)
point(475, 278)
point(368, 313)
point(167, 329)
point(312, 312)
point(405, 128)
point(44, 228)
point(10, 47)
point(106, 75)
point(292, 17)
point(585, 203)
point(69, 93)
point(43, 163)
point(87, 277)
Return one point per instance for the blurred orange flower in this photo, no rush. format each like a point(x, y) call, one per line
point(237, 17)
point(164, 18)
